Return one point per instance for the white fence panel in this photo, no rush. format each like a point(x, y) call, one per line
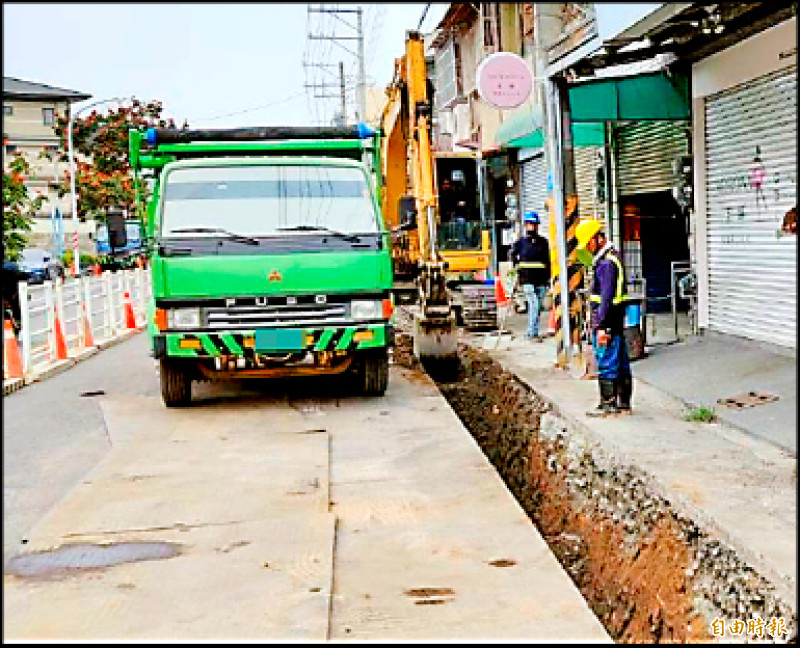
point(100, 298)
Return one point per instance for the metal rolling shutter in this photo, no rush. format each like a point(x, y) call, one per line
point(533, 188)
point(587, 160)
point(752, 279)
point(646, 154)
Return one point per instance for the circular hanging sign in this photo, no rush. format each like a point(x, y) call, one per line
point(504, 80)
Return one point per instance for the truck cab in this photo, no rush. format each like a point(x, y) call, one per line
point(268, 255)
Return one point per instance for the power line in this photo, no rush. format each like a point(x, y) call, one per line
point(246, 110)
point(327, 33)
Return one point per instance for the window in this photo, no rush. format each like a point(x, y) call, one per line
point(267, 199)
point(8, 111)
point(446, 75)
point(48, 116)
point(491, 27)
point(11, 149)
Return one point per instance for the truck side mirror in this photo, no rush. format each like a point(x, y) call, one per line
point(117, 234)
point(408, 213)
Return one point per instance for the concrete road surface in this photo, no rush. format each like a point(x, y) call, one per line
point(288, 511)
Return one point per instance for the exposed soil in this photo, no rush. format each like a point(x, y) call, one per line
point(649, 574)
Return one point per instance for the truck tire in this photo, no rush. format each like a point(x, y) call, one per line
point(176, 384)
point(373, 374)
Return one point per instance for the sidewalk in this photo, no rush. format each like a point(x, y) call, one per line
point(702, 369)
point(737, 483)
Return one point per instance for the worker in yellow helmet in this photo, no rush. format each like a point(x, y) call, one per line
point(607, 302)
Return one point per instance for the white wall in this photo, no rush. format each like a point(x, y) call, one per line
point(773, 49)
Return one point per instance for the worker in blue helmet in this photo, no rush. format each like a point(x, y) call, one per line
point(530, 254)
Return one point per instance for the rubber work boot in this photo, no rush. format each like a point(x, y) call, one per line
point(624, 393)
point(608, 400)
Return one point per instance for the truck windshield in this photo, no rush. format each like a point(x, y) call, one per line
point(267, 200)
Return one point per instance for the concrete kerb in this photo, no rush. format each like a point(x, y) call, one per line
point(608, 454)
point(60, 366)
point(12, 385)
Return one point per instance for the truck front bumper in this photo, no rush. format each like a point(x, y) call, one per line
point(193, 344)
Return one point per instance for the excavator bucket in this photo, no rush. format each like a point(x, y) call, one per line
point(436, 346)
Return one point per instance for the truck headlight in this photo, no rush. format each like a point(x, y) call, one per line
point(183, 318)
point(366, 309)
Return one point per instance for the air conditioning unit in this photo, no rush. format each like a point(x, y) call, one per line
point(444, 122)
point(463, 121)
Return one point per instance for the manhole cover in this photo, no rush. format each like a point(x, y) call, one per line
point(502, 562)
point(431, 595)
point(750, 399)
point(78, 557)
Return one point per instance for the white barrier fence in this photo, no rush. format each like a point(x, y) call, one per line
point(62, 320)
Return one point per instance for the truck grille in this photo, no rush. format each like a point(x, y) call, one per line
point(247, 317)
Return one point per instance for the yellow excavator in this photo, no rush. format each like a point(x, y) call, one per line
point(430, 201)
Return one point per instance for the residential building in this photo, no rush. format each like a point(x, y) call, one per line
point(29, 116)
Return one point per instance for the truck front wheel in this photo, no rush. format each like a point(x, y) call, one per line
point(176, 384)
point(373, 373)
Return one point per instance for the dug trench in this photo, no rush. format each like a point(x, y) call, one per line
point(649, 573)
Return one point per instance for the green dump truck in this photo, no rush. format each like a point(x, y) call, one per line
point(268, 254)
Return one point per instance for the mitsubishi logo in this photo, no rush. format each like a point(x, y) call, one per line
point(275, 276)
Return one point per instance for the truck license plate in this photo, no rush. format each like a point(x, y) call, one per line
point(268, 340)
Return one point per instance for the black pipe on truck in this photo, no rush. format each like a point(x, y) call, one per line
point(155, 136)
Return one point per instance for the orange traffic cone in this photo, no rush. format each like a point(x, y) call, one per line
point(500, 291)
point(12, 359)
point(551, 323)
point(130, 320)
point(88, 338)
point(61, 344)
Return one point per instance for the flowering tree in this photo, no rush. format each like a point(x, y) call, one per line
point(105, 181)
point(18, 207)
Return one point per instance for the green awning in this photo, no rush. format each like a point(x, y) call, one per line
point(645, 96)
point(531, 140)
point(588, 134)
point(583, 134)
point(519, 124)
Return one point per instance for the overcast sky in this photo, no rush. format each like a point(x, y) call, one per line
point(204, 61)
point(216, 65)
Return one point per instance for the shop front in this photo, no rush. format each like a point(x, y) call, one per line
point(745, 124)
point(653, 225)
point(647, 127)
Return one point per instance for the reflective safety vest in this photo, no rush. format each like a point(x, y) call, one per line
point(531, 264)
point(619, 293)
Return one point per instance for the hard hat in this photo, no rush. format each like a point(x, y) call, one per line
point(586, 230)
point(531, 217)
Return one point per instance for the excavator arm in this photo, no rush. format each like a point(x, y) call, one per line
point(434, 320)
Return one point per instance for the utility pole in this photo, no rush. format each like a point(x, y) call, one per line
point(359, 54)
point(565, 204)
point(362, 75)
point(344, 96)
point(552, 117)
point(335, 94)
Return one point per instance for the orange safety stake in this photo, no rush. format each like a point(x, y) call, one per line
point(88, 338)
point(551, 324)
point(130, 320)
point(12, 358)
point(61, 344)
point(500, 291)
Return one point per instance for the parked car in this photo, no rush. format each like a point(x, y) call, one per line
point(12, 275)
point(40, 266)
